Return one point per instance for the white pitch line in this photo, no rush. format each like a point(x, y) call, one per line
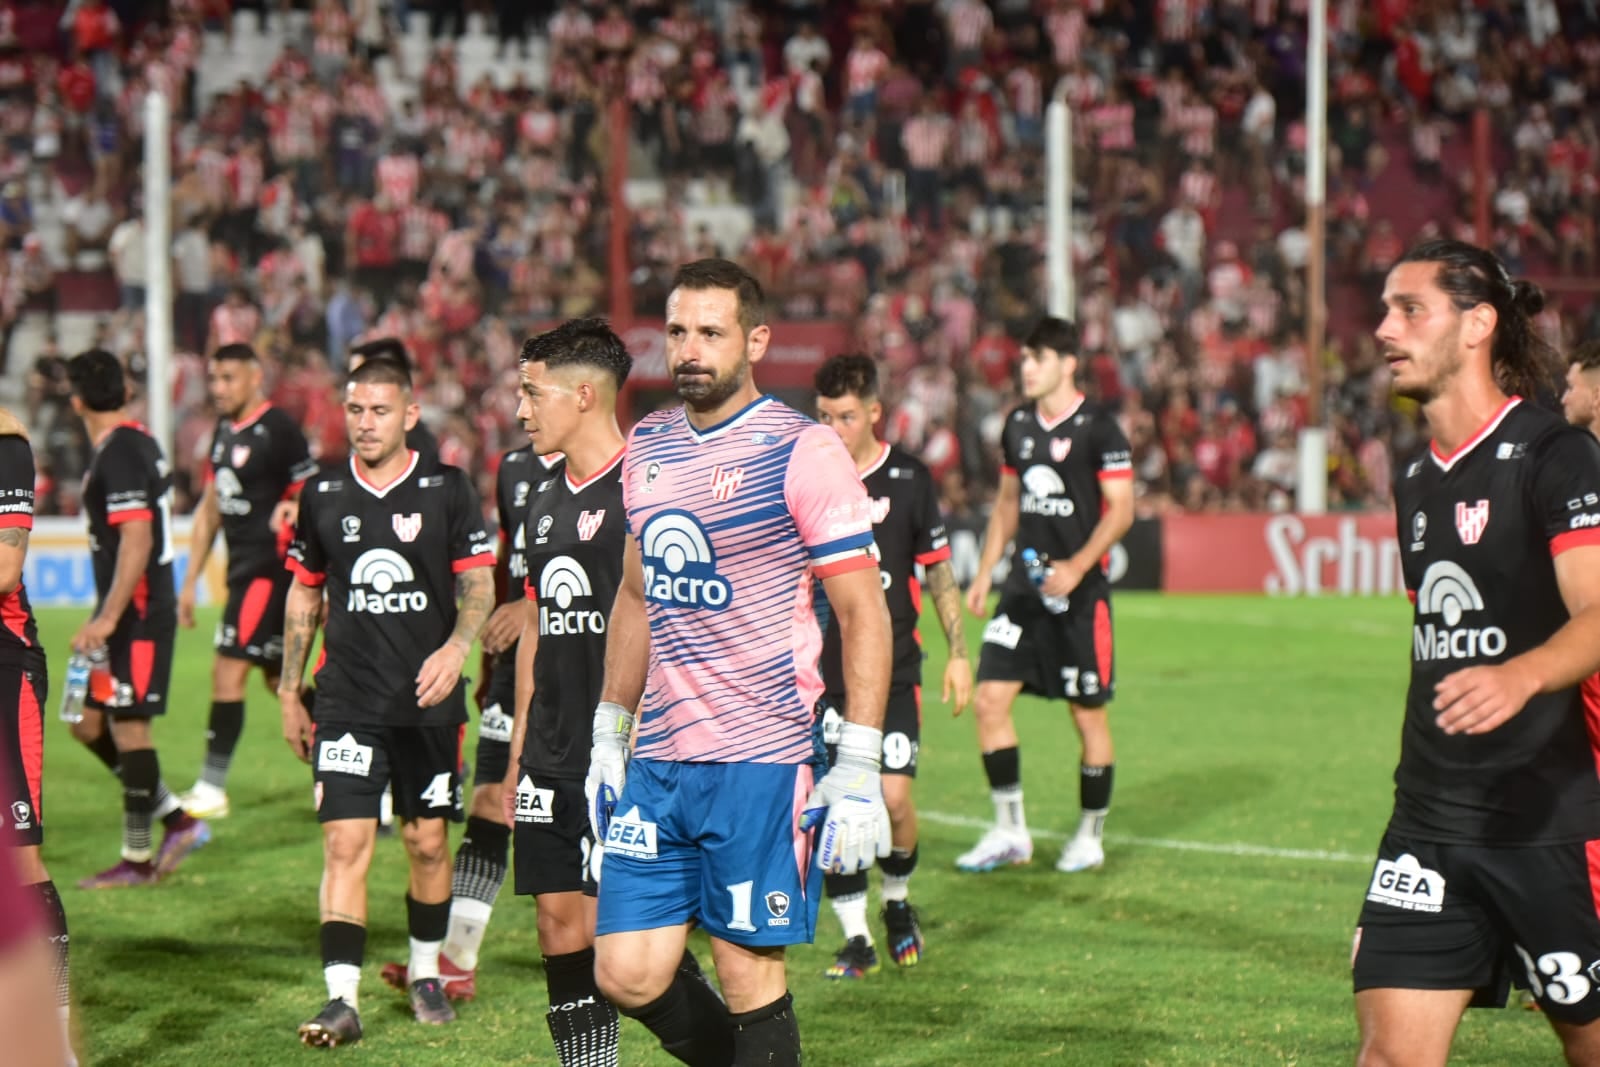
point(1234, 849)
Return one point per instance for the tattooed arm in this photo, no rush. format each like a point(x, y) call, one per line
point(947, 600)
point(301, 615)
point(441, 671)
point(13, 550)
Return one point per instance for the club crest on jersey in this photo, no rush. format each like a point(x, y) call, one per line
point(240, 455)
point(725, 482)
point(1471, 520)
point(589, 523)
point(1059, 447)
point(351, 525)
point(880, 509)
point(407, 527)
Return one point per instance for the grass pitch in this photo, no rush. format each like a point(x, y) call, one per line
point(1255, 743)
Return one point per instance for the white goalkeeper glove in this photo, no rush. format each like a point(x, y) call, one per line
point(608, 765)
point(848, 804)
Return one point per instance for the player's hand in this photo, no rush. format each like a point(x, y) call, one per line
point(1062, 578)
point(978, 595)
point(848, 804)
point(284, 515)
point(504, 627)
point(186, 606)
point(92, 635)
point(439, 674)
point(1478, 699)
point(957, 683)
point(297, 728)
point(508, 796)
point(608, 765)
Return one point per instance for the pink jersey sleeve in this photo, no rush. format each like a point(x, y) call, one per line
point(829, 504)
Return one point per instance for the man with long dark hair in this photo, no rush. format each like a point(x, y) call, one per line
point(1485, 867)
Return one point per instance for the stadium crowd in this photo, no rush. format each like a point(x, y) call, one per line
point(891, 156)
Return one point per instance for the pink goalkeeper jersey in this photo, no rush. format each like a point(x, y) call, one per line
point(733, 523)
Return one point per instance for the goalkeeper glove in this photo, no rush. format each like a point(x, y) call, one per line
point(608, 765)
point(848, 804)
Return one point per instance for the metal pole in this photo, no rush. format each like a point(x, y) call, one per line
point(1058, 205)
point(158, 269)
point(1312, 497)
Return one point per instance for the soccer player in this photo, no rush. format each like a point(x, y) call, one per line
point(735, 505)
point(481, 860)
point(397, 540)
point(23, 678)
point(1581, 398)
point(1486, 865)
point(908, 530)
point(1066, 491)
point(259, 459)
point(127, 497)
point(419, 438)
point(570, 378)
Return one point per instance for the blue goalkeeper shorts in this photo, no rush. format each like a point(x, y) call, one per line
point(716, 842)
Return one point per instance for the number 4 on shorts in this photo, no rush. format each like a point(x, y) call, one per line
point(438, 792)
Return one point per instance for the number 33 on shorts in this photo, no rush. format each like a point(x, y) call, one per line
point(1559, 976)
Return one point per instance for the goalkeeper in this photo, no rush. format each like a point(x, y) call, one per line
point(735, 503)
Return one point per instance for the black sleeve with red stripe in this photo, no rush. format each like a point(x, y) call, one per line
point(16, 483)
point(1113, 454)
point(127, 480)
point(932, 544)
point(470, 544)
point(1566, 488)
point(306, 556)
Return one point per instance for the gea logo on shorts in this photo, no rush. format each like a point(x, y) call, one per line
point(534, 805)
point(680, 569)
point(1449, 592)
point(1405, 883)
point(629, 836)
point(495, 725)
point(563, 581)
point(1045, 493)
point(373, 580)
point(345, 756)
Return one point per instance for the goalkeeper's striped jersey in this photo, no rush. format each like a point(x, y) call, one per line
point(733, 523)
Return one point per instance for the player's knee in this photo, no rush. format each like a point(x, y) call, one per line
point(88, 730)
point(427, 842)
point(130, 734)
point(486, 803)
point(626, 979)
point(228, 677)
point(562, 932)
point(992, 702)
point(898, 801)
point(345, 848)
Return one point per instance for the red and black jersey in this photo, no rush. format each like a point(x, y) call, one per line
point(1479, 531)
point(255, 463)
point(907, 529)
point(19, 635)
point(389, 556)
point(129, 480)
point(575, 537)
point(1061, 464)
point(522, 476)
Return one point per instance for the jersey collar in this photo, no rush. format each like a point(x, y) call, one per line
point(381, 491)
point(1038, 416)
point(883, 457)
point(1447, 462)
point(578, 487)
point(244, 423)
point(726, 424)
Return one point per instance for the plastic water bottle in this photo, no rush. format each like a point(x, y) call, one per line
point(79, 669)
point(1038, 568)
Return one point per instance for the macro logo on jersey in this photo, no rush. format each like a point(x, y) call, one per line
point(518, 564)
point(230, 493)
point(406, 527)
point(725, 482)
point(563, 582)
point(680, 569)
point(1044, 493)
point(589, 523)
point(1449, 592)
point(373, 582)
point(1471, 521)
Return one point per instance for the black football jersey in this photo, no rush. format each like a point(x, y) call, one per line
point(575, 535)
point(129, 480)
point(389, 556)
point(907, 529)
point(19, 634)
point(1479, 531)
point(522, 476)
point(255, 462)
point(1061, 464)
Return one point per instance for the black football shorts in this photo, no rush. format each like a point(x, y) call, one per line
point(552, 845)
point(1059, 657)
point(353, 763)
point(1479, 918)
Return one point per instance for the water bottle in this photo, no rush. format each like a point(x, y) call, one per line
point(80, 668)
point(1038, 568)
